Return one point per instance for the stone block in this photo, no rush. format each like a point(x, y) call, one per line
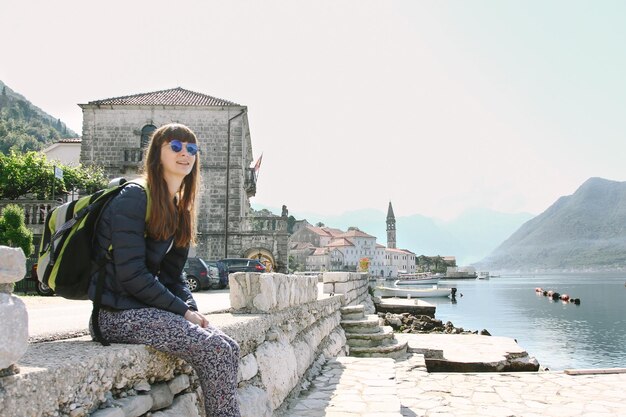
point(278, 369)
point(178, 384)
point(161, 395)
point(13, 329)
point(109, 412)
point(329, 288)
point(343, 287)
point(12, 264)
point(336, 277)
point(248, 368)
point(253, 402)
point(135, 406)
point(183, 405)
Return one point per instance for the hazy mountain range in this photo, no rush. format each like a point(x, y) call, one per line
point(470, 237)
point(582, 231)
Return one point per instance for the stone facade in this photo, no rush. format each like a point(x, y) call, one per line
point(115, 132)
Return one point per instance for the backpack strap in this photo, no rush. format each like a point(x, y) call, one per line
point(97, 303)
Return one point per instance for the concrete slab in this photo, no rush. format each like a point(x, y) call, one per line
point(469, 352)
point(402, 305)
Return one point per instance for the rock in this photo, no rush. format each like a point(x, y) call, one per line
point(484, 332)
point(142, 386)
point(136, 406)
point(183, 405)
point(12, 264)
point(254, 402)
point(248, 368)
point(178, 384)
point(109, 412)
point(13, 329)
point(162, 396)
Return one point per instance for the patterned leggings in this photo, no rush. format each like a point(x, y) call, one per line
point(213, 355)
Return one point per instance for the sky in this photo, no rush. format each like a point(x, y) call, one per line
point(438, 106)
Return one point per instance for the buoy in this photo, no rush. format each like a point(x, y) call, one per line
point(577, 301)
point(545, 293)
point(550, 293)
point(564, 297)
point(555, 296)
point(538, 289)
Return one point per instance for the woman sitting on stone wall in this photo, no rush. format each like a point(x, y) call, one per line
point(145, 299)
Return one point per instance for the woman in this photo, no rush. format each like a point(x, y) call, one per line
point(144, 298)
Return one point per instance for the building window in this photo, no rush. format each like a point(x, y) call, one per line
point(146, 134)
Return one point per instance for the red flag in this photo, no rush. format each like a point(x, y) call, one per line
point(257, 166)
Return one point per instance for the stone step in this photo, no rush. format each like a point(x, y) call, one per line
point(394, 350)
point(385, 337)
point(352, 312)
point(366, 325)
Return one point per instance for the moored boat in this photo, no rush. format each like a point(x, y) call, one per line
point(414, 292)
point(416, 279)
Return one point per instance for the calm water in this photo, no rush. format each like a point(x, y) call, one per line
point(560, 335)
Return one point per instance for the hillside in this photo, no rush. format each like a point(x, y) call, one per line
point(583, 231)
point(25, 127)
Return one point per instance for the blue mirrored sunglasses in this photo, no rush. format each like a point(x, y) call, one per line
point(177, 146)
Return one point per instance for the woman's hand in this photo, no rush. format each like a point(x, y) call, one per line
point(196, 318)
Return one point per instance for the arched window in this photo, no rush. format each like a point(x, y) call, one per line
point(146, 134)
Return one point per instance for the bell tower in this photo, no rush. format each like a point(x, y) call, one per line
point(391, 228)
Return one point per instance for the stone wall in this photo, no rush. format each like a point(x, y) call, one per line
point(79, 377)
point(353, 285)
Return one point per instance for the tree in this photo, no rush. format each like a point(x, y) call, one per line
point(13, 230)
point(291, 221)
point(319, 224)
point(32, 173)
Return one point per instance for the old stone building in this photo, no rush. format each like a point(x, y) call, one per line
point(116, 131)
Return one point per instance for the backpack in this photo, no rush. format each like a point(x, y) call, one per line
point(66, 255)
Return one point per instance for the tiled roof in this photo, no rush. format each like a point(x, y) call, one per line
point(355, 233)
point(318, 231)
point(405, 251)
point(378, 245)
point(320, 252)
point(70, 140)
point(172, 97)
point(340, 242)
point(333, 232)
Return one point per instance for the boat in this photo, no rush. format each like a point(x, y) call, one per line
point(416, 279)
point(414, 292)
point(483, 275)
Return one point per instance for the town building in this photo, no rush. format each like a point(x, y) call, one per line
point(117, 130)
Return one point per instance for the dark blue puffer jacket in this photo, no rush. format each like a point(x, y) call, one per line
point(142, 273)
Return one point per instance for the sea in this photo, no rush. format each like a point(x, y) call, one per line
point(560, 335)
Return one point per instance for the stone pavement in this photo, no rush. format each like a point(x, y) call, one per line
point(369, 387)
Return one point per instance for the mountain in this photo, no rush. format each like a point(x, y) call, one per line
point(25, 127)
point(470, 237)
point(583, 231)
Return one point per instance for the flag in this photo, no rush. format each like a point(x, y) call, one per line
point(257, 166)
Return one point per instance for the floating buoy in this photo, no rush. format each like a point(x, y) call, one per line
point(564, 297)
point(538, 289)
point(577, 301)
point(550, 293)
point(555, 296)
point(545, 293)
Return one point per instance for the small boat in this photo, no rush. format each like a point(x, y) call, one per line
point(416, 279)
point(483, 275)
point(414, 292)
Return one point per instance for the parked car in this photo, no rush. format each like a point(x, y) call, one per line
point(200, 276)
point(243, 265)
point(42, 289)
point(221, 272)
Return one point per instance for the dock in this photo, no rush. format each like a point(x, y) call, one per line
point(414, 306)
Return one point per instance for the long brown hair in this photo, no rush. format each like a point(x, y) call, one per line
point(168, 217)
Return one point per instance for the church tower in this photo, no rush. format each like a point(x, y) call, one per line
point(391, 228)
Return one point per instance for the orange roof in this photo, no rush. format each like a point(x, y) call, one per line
point(320, 252)
point(356, 233)
point(340, 242)
point(333, 232)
